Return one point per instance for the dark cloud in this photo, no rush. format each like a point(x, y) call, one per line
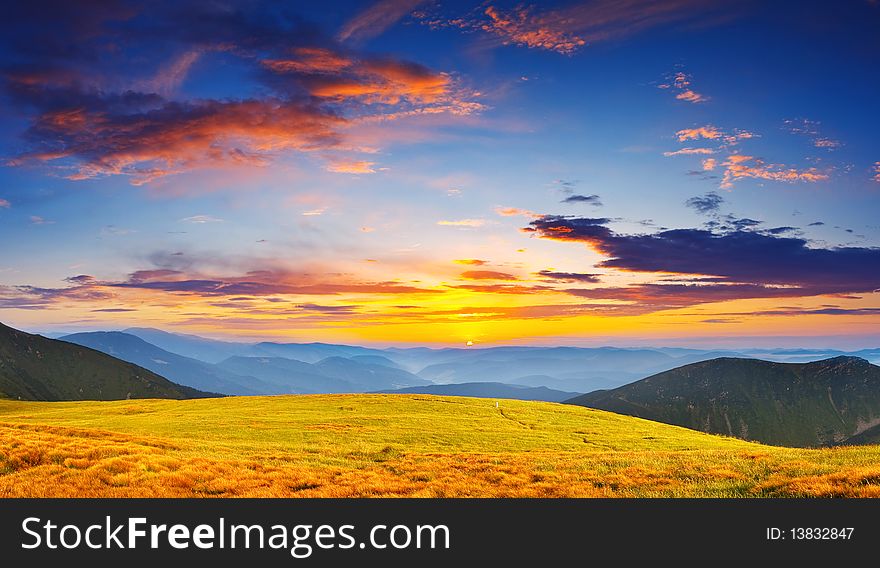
point(591, 199)
point(816, 224)
point(94, 112)
point(569, 276)
point(709, 203)
point(752, 264)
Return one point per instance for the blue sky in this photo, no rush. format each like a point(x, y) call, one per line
point(384, 172)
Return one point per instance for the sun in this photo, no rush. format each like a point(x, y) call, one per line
point(469, 343)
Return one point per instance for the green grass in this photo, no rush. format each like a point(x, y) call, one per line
point(365, 445)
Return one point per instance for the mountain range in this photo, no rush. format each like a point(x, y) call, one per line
point(33, 367)
point(821, 403)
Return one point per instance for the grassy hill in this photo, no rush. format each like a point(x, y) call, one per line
point(394, 445)
point(36, 368)
point(822, 403)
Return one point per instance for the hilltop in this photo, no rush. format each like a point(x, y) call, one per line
point(33, 367)
point(830, 402)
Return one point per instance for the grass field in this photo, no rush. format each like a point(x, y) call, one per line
point(394, 445)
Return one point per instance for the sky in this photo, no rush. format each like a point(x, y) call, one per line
point(406, 172)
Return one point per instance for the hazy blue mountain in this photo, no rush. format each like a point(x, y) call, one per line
point(184, 370)
point(38, 368)
point(366, 376)
point(192, 346)
point(827, 402)
point(488, 390)
point(312, 352)
point(289, 375)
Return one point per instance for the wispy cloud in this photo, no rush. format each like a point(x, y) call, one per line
point(468, 223)
point(37, 220)
point(680, 83)
point(568, 29)
point(739, 166)
point(514, 212)
point(709, 203)
point(487, 275)
point(690, 152)
point(594, 199)
point(201, 219)
point(876, 172)
point(471, 261)
point(810, 129)
point(5, 204)
point(709, 132)
point(376, 19)
point(351, 166)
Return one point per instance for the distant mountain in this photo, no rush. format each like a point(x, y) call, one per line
point(288, 375)
point(313, 352)
point(366, 376)
point(184, 370)
point(37, 368)
point(828, 402)
point(488, 390)
point(192, 346)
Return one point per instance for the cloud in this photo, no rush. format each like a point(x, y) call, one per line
point(739, 166)
point(315, 212)
point(749, 263)
point(816, 224)
point(201, 219)
point(709, 203)
point(569, 277)
point(876, 172)
point(376, 19)
point(689, 152)
point(169, 78)
point(567, 30)
point(472, 223)
point(487, 275)
point(709, 164)
point(5, 204)
point(709, 132)
point(591, 199)
point(351, 166)
point(515, 211)
point(92, 115)
point(471, 261)
point(810, 129)
point(681, 82)
point(37, 220)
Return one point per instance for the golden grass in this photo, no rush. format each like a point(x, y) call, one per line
point(395, 445)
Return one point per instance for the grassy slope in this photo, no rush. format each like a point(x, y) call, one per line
point(413, 445)
point(33, 367)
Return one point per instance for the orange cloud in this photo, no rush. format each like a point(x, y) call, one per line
point(681, 82)
point(739, 166)
point(313, 60)
point(515, 211)
point(470, 261)
point(709, 164)
point(523, 28)
point(351, 166)
point(487, 275)
point(383, 81)
point(568, 29)
point(708, 132)
point(180, 137)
